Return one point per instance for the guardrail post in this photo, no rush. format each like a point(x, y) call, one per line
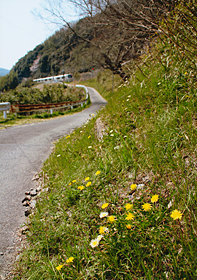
point(51, 111)
point(71, 107)
point(4, 107)
point(81, 104)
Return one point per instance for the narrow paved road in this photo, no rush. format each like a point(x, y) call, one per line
point(23, 149)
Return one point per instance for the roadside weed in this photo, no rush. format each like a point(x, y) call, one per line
point(124, 206)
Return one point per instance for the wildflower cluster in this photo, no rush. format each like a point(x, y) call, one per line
point(103, 230)
point(69, 260)
point(86, 181)
point(118, 223)
point(114, 220)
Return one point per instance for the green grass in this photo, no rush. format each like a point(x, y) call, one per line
point(150, 140)
point(149, 149)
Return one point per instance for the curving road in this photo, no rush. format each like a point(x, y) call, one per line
point(23, 149)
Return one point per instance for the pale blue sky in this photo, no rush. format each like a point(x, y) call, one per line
point(20, 30)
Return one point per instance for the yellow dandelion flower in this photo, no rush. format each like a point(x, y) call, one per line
point(70, 184)
point(176, 214)
point(88, 184)
point(80, 188)
point(74, 181)
point(128, 206)
point(111, 219)
point(97, 172)
point(129, 216)
point(146, 206)
point(70, 260)
point(103, 214)
point(104, 205)
point(87, 178)
point(103, 230)
point(94, 243)
point(59, 266)
point(67, 136)
point(89, 136)
point(128, 226)
point(133, 187)
point(154, 198)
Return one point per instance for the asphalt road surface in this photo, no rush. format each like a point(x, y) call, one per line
point(23, 149)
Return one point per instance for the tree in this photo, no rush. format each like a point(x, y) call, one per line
point(10, 81)
point(118, 30)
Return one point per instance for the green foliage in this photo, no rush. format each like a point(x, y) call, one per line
point(10, 81)
point(22, 67)
point(62, 52)
point(55, 93)
point(148, 149)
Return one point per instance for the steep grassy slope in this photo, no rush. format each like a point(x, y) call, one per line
point(123, 207)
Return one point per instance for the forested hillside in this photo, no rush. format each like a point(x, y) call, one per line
point(107, 37)
point(63, 51)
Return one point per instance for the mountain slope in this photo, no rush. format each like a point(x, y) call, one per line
point(62, 52)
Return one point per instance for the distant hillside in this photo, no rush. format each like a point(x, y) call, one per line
point(62, 52)
point(4, 71)
point(94, 43)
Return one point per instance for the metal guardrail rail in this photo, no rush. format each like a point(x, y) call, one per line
point(21, 108)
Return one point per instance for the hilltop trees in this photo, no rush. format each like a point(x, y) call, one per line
point(109, 34)
point(118, 29)
point(9, 81)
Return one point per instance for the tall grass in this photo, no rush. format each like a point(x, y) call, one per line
point(123, 207)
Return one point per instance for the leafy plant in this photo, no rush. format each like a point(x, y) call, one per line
point(124, 206)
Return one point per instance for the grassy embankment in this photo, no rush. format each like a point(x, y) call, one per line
point(125, 207)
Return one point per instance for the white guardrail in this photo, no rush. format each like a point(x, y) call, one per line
point(75, 104)
point(5, 107)
point(85, 88)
